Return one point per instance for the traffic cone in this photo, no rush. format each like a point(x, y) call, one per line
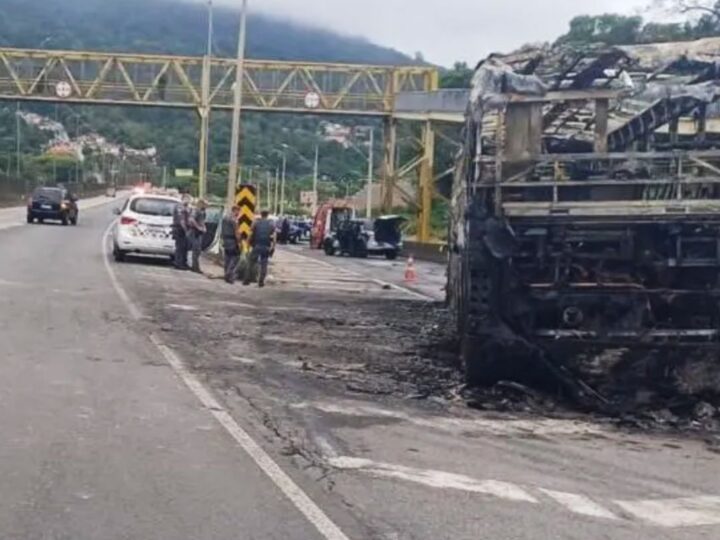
point(410, 274)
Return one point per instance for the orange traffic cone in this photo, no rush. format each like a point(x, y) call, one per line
point(410, 274)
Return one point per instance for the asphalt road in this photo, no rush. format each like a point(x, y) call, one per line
point(237, 419)
point(100, 438)
point(16, 216)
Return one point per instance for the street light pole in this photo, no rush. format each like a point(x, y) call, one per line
point(282, 187)
point(17, 147)
point(277, 187)
point(371, 166)
point(268, 184)
point(237, 108)
point(210, 28)
point(315, 179)
point(204, 109)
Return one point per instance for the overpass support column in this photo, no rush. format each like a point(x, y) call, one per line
point(388, 169)
point(204, 112)
point(427, 180)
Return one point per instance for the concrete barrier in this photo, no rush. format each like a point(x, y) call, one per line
point(433, 252)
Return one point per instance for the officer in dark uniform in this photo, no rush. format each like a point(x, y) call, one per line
point(181, 216)
point(197, 229)
point(262, 240)
point(228, 233)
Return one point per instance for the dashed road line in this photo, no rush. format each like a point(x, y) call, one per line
point(668, 513)
point(435, 479)
point(684, 512)
point(579, 504)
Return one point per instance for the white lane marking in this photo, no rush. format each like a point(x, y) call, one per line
point(686, 512)
point(313, 513)
point(435, 479)
point(508, 426)
point(579, 504)
point(182, 307)
point(243, 360)
point(378, 281)
point(135, 313)
point(670, 513)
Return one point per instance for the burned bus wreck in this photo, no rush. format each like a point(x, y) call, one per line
point(586, 210)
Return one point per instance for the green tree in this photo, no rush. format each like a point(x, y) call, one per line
point(609, 28)
point(459, 76)
point(55, 168)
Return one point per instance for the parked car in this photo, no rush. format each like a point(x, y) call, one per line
point(363, 237)
point(387, 237)
point(145, 227)
point(52, 203)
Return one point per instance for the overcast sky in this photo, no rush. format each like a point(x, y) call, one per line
point(444, 30)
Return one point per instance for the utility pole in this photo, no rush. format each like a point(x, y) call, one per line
point(277, 187)
point(17, 147)
point(269, 192)
point(237, 107)
point(371, 166)
point(204, 108)
point(315, 179)
point(164, 177)
point(77, 161)
point(55, 156)
point(282, 187)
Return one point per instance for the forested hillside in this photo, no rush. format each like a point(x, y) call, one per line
point(178, 27)
point(173, 26)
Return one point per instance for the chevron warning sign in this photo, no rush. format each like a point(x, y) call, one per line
point(246, 199)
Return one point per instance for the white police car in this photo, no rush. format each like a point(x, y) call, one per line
point(144, 226)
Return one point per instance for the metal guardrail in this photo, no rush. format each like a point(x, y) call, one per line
point(433, 252)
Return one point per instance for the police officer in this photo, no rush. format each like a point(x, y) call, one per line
point(228, 232)
point(181, 216)
point(262, 240)
point(197, 229)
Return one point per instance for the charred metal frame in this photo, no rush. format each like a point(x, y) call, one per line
point(618, 249)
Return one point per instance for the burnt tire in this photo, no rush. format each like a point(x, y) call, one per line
point(391, 255)
point(487, 361)
point(329, 249)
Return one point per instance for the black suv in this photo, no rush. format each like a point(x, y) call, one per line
point(52, 203)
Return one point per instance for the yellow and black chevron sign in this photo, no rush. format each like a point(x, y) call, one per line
point(246, 199)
